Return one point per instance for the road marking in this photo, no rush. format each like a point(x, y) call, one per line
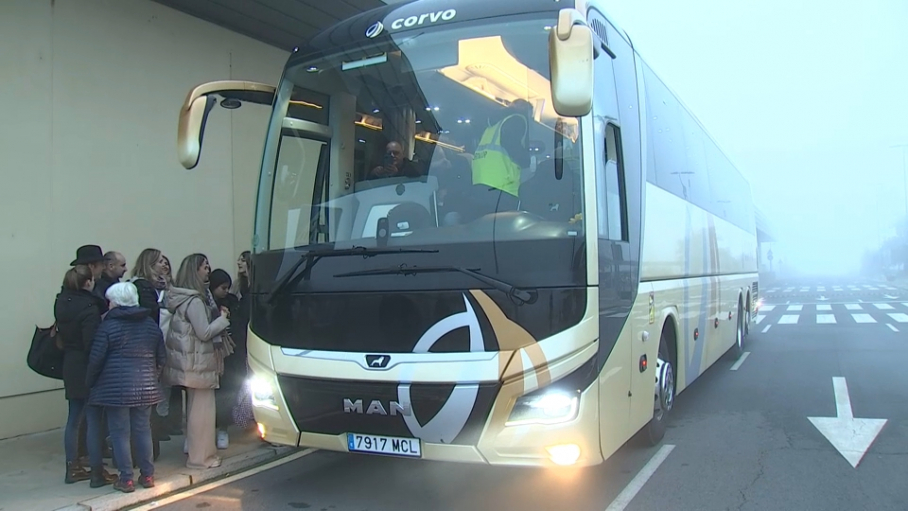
point(872, 288)
point(898, 316)
point(176, 497)
point(767, 328)
point(630, 491)
point(794, 307)
point(891, 297)
point(789, 319)
point(767, 308)
point(759, 318)
point(863, 318)
point(824, 307)
point(821, 288)
point(852, 306)
point(826, 319)
point(851, 437)
point(892, 327)
point(740, 361)
point(862, 301)
point(883, 306)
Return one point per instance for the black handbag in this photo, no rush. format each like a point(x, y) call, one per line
point(45, 356)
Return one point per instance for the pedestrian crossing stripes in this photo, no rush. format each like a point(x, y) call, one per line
point(852, 288)
point(834, 314)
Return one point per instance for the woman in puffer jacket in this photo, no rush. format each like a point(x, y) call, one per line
point(195, 355)
point(127, 355)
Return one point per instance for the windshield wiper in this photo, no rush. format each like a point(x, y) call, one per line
point(313, 256)
point(510, 290)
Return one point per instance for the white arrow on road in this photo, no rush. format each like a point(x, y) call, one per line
point(822, 298)
point(891, 297)
point(851, 437)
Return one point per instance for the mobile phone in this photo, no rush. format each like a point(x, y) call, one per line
point(388, 160)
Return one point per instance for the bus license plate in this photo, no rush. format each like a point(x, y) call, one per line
point(388, 445)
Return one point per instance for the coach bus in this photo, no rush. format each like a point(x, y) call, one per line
point(485, 232)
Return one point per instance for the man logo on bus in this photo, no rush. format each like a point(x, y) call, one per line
point(375, 30)
point(377, 361)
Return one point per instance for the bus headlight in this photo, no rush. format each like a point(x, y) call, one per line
point(262, 393)
point(552, 407)
point(558, 402)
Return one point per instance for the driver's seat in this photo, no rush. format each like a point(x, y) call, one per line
point(551, 198)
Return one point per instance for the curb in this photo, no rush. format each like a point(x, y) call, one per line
point(239, 463)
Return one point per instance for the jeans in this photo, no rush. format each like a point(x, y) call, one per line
point(137, 421)
point(79, 410)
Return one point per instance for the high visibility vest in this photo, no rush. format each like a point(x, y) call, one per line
point(492, 166)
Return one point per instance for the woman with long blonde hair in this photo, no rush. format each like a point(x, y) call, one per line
point(195, 355)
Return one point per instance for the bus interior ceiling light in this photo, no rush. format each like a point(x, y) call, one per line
point(371, 61)
point(231, 103)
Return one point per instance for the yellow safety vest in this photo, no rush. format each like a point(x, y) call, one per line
point(491, 164)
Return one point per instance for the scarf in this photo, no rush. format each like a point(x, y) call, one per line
point(223, 343)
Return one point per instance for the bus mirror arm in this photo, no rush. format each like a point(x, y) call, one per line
point(199, 103)
point(571, 54)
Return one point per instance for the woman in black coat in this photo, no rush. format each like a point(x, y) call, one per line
point(77, 312)
point(126, 360)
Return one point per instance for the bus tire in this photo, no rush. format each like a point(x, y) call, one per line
point(738, 347)
point(747, 317)
point(664, 394)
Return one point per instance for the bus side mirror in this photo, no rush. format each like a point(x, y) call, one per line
point(571, 64)
point(198, 104)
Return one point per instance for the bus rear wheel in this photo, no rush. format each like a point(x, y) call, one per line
point(738, 347)
point(664, 393)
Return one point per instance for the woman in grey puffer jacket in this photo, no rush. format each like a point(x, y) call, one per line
point(195, 355)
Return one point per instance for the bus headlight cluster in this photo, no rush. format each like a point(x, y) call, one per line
point(262, 393)
point(547, 407)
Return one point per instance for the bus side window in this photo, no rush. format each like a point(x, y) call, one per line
point(612, 194)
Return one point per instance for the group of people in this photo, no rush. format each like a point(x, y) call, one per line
point(132, 347)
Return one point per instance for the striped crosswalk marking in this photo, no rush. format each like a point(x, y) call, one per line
point(899, 317)
point(767, 308)
point(824, 307)
point(863, 318)
point(825, 319)
point(852, 306)
point(760, 318)
point(794, 307)
point(884, 306)
point(789, 319)
point(821, 288)
point(805, 289)
point(892, 327)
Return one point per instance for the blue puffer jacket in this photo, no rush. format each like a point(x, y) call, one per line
point(127, 356)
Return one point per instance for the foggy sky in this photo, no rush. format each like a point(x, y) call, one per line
point(805, 98)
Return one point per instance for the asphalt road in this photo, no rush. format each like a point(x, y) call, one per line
point(742, 438)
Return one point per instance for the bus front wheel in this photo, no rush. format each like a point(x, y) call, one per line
point(664, 394)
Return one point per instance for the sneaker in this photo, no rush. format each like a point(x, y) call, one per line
point(147, 481)
point(124, 486)
point(223, 440)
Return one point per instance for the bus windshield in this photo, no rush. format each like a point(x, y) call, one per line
point(443, 139)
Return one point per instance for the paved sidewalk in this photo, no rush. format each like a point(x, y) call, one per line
point(33, 466)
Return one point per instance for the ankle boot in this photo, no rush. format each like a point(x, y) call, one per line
point(101, 477)
point(75, 473)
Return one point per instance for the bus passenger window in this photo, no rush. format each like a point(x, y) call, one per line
point(611, 193)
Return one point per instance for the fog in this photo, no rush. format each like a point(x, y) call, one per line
point(807, 98)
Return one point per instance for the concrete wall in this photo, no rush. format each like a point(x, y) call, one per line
point(91, 96)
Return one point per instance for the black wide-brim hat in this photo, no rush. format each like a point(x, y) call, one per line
point(88, 254)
